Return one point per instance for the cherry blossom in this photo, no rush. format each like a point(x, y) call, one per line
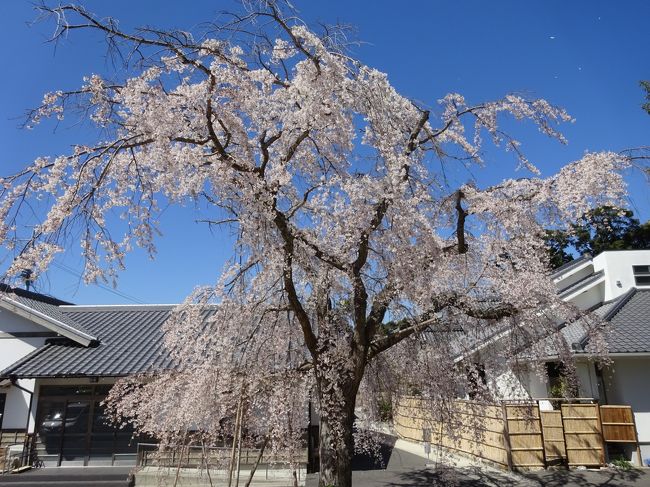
point(352, 245)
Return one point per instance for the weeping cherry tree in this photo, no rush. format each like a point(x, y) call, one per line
point(351, 239)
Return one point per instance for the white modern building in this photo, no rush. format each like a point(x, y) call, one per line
point(615, 286)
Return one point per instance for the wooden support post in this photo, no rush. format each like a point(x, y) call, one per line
point(636, 437)
point(235, 442)
point(506, 436)
point(566, 445)
point(541, 434)
point(603, 456)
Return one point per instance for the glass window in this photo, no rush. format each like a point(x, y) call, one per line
point(51, 417)
point(101, 421)
point(641, 275)
point(102, 390)
point(74, 429)
point(76, 417)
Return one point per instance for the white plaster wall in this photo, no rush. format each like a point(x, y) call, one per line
point(502, 380)
point(11, 350)
point(12, 322)
point(537, 387)
point(587, 380)
point(17, 405)
point(591, 297)
point(508, 385)
point(618, 269)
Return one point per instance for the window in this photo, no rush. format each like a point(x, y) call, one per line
point(641, 275)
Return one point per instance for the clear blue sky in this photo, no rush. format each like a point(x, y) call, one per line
point(587, 56)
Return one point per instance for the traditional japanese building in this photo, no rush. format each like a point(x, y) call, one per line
point(58, 363)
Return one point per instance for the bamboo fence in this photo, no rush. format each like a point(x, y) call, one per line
point(517, 435)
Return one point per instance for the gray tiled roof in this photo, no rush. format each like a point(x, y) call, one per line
point(131, 337)
point(462, 341)
point(630, 330)
point(570, 265)
point(130, 342)
point(576, 332)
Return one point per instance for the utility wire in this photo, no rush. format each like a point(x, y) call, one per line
point(69, 270)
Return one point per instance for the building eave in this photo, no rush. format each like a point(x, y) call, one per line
point(48, 322)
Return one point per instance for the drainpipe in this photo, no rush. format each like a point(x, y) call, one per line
point(14, 382)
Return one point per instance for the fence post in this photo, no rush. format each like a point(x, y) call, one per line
point(566, 445)
point(506, 435)
point(603, 445)
point(541, 433)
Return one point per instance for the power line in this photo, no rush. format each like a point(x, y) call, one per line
point(69, 270)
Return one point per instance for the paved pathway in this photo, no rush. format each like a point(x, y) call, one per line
point(408, 469)
point(402, 469)
point(68, 477)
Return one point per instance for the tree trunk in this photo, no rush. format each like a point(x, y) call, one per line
point(336, 442)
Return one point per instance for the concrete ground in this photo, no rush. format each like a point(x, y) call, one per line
point(401, 464)
point(407, 466)
point(68, 477)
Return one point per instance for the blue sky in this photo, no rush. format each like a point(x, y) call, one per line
point(587, 56)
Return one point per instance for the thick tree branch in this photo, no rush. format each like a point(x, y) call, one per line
point(378, 310)
point(360, 294)
point(382, 344)
point(472, 308)
point(460, 223)
point(305, 323)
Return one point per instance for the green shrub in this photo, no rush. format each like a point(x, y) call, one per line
point(385, 410)
point(622, 463)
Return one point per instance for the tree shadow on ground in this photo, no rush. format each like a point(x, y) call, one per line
point(449, 476)
point(477, 477)
point(585, 478)
point(377, 460)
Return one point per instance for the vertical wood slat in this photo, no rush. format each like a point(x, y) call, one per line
point(506, 435)
point(582, 434)
point(525, 434)
point(541, 433)
point(553, 436)
point(619, 426)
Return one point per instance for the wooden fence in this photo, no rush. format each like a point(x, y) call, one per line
point(583, 436)
point(516, 435)
point(9, 437)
